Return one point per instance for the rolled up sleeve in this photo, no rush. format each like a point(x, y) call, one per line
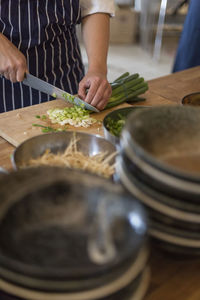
point(89, 7)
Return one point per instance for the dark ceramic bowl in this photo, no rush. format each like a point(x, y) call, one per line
point(2, 170)
point(164, 143)
point(178, 241)
point(134, 290)
point(174, 204)
point(192, 99)
point(170, 224)
point(170, 209)
point(161, 181)
point(63, 230)
point(116, 115)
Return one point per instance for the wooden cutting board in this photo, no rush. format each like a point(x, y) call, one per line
point(16, 126)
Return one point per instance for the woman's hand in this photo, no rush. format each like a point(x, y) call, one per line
point(95, 89)
point(12, 62)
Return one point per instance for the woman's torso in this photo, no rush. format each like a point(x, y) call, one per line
point(44, 31)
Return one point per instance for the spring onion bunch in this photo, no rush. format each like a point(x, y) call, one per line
point(75, 116)
point(126, 88)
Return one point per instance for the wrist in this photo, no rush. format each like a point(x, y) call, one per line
point(98, 68)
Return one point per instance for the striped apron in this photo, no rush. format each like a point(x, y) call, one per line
point(45, 32)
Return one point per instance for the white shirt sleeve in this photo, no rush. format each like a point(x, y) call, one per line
point(89, 7)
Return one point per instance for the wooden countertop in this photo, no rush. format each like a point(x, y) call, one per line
point(172, 277)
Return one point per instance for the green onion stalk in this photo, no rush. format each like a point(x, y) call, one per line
point(127, 88)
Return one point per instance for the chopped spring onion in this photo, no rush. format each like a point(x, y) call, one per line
point(54, 95)
point(48, 128)
point(68, 97)
point(75, 116)
point(115, 126)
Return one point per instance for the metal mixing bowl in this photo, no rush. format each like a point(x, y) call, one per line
point(34, 147)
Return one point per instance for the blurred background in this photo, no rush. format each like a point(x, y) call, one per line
point(144, 37)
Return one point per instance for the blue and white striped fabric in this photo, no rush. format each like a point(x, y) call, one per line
point(44, 31)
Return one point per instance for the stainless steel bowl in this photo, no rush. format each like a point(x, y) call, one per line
point(34, 147)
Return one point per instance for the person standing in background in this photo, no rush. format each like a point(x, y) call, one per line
point(39, 37)
point(188, 52)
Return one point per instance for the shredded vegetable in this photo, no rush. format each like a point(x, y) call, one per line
point(72, 158)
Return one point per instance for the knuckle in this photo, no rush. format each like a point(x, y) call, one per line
point(6, 68)
point(3, 68)
point(10, 67)
point(81, 95)
point(105, 82)
point(19, 63)
point(81, 85)
point(96, 80)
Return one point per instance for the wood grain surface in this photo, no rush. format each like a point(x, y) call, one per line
point(16, 126)
point(172, 277)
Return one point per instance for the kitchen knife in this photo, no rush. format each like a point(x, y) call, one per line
point(49, 89)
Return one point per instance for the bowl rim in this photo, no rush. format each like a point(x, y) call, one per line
point(150, 201)
point(118, 111)
point(130, 254)
point(191, 94)
point(135, 269)
point(133, 147)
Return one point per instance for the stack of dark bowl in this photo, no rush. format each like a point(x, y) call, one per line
point(70, 235)
point(159, 164)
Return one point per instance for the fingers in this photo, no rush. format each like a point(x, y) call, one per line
point(101, 101)
point(10, 75)
point(82, 89)
point(14, 73)
point(101, 105)
point(104, 100)
point(20, 73)
point(94, 84)
point(12, 62)
point(98, 94)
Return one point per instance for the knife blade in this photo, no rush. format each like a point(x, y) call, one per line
point(50, 89)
